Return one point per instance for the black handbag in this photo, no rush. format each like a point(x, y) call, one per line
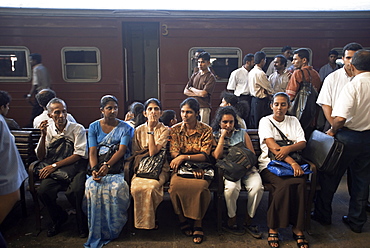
point(151, 166)
point(237, 162)
point(324, 151)
point(58, 150)
point(297, 155)
point(114, 168)
point(186, 169)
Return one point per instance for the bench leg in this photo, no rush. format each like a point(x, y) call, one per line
point(23, 201)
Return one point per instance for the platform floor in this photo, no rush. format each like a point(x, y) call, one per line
point(18, 231)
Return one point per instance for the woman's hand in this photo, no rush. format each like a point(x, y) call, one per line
point(282, 153)
point(198, 173)
point(176, 162)
point(297, 170)
point(223, 133)
point(103, 171)
point(152, 121)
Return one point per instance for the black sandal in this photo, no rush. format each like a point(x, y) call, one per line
point(302, 244)
point(186, 229)
point(274, 241)
point(195, 236)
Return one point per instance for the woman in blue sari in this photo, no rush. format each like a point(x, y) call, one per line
point(107, 194)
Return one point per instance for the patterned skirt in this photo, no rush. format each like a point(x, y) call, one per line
point(107, 203)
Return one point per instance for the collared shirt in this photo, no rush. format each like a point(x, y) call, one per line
point(238, 82)
point(326, 70)
point(141, 136)
point(271, 68)
point(259, 86)
point(40, 77)
point(354, 103)
point(279, 81)
point(44, 116)
point(332, 86)
point(200, 141)
point(73, 131)
point(296, 79)
point(203, 81)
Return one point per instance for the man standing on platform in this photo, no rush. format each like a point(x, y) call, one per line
point(351, 126)
point(201, 85)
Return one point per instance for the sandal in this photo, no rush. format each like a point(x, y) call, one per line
point(304, 243)
point(196, 236)
point(275, 242)
point(186, 229)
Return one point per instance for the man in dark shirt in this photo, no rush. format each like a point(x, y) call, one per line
point(201, 85)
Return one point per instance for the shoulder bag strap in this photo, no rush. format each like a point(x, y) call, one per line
point(285, 138)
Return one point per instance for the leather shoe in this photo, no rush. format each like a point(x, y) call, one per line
point(83, 234)
point(320, 220)
point(348, 223)
point(54, 229)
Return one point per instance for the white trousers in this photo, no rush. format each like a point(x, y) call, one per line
point(253, 184)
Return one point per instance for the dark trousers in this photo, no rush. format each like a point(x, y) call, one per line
point(356, 157)
point(259, 108)
point(48, 193)
point(248, 99)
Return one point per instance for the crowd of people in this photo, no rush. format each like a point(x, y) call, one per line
point(91, 166)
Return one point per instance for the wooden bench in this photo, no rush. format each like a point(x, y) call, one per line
point(26, 142)
point(217, 188)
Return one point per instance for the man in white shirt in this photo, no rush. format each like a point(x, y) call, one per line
point(280, 78)
point(328, 99)
point(329, 67)
point(238, 81)
point(43, 97)
point(260, 90)
point(40, 80)
point(287, 52)
point(351, 125)
point(58, 158)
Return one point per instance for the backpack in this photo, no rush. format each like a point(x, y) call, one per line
point(304, 105)
point(237, 162)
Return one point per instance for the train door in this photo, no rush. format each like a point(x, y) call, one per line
point(141, 46)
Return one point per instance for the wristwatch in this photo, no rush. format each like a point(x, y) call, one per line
point(152, 132)
point(54, 165)
point(108, 166)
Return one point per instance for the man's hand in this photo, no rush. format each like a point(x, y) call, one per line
point(43, 127)
point(46, 171)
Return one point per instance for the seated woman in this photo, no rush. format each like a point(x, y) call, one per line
point(168, 118)
point(191, 140)
point(227, 133)
point(107, 194)
point(148, 193)
point(242, 108)
point(135, 117)
point(287, 205)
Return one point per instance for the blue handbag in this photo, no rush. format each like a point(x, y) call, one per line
point(281, 168)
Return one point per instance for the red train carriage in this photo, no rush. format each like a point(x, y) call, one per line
point(140, 54)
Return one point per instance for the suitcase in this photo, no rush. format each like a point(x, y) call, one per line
point(324, 151)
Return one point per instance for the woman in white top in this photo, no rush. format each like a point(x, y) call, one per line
point(287, 205)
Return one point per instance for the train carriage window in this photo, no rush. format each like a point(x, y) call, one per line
point(271, 52)
point(223, 61)
point(81, 64)
point(14, 65)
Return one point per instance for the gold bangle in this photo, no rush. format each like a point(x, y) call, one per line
point(295, 163)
